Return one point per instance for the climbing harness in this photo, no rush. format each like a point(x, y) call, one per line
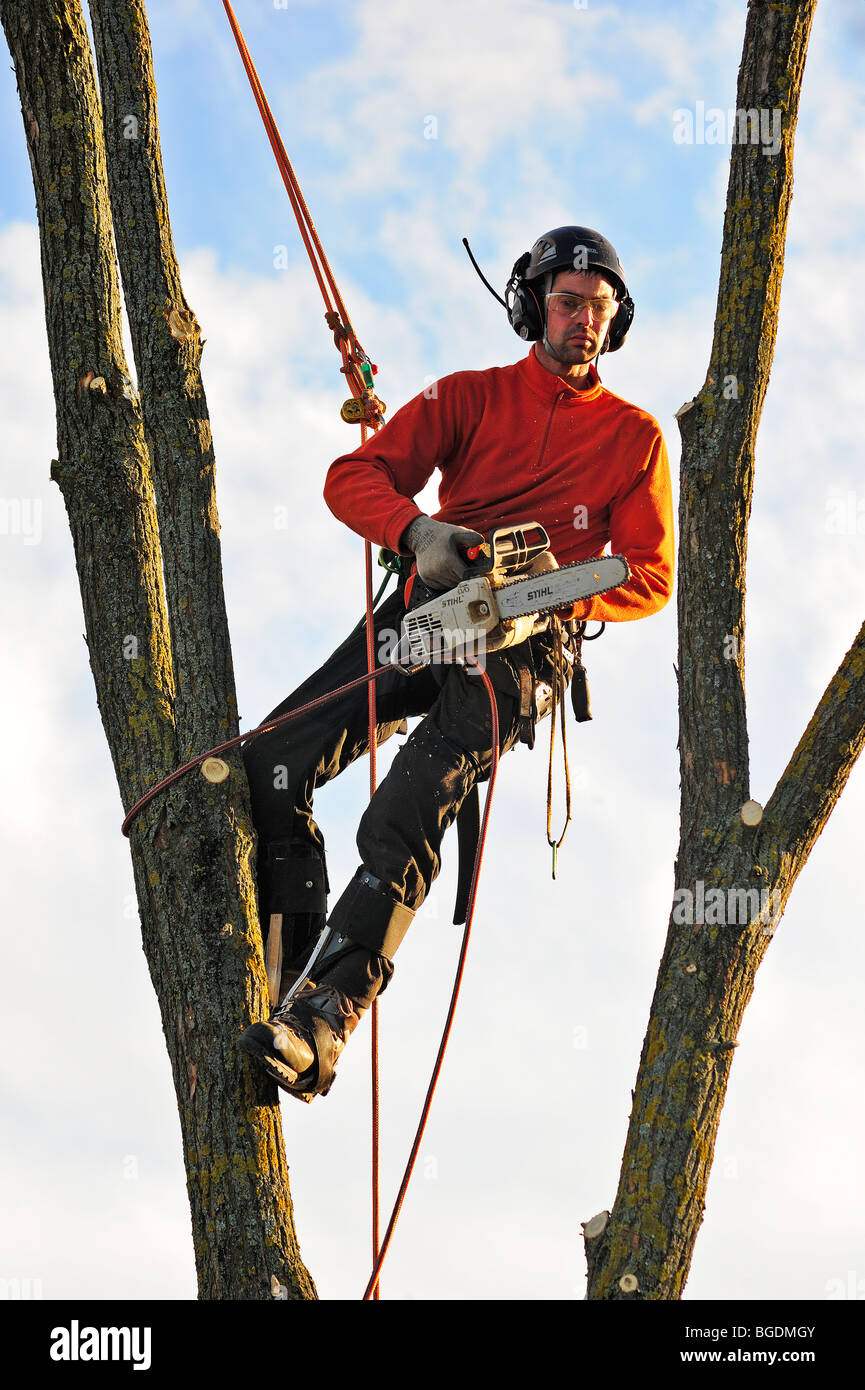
point(512, 590)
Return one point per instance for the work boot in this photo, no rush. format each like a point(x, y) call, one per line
point(301, 1041)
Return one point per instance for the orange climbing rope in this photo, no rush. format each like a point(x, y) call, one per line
point(356, 365)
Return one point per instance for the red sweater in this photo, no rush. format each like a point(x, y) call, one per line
point(518, 444)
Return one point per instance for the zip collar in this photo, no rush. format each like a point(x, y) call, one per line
point(548, 386)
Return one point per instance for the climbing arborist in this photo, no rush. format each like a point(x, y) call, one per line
point(540, 440)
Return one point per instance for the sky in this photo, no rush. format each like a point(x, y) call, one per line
point(410, 127)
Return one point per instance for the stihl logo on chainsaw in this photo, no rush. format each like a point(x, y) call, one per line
point(495, 607)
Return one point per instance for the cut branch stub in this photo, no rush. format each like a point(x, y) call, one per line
point(595, 1226)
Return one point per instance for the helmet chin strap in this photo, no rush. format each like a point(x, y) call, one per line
point(548, 347)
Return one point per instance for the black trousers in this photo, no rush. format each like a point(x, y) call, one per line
point(400, 833)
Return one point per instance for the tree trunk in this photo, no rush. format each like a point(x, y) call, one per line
point(739, 865)
point(135, 473)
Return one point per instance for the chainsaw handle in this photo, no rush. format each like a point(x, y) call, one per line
point(480, 558)
point(507, 548)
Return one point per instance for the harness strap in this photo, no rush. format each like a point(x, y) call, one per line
point(527, 703)
point(469, 815)
point(324, 1050)
point(468, 832)
point(558, 706)
point(580, 700)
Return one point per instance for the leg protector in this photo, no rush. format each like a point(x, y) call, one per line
point(368, 915)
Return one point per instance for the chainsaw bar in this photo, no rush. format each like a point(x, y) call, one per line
point(544, 593)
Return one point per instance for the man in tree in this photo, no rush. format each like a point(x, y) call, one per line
point(541, 440)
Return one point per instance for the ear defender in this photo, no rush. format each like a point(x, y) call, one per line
point(618, 329)
point(525, 313)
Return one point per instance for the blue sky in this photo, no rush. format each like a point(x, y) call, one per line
point(545, 113)
point(582, 119)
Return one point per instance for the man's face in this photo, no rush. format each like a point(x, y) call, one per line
point(579, 339)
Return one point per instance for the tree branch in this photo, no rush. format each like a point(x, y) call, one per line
point(103, 466)
point(728, 897)
point(167, 344)
point(817, 773)
point(719, 426)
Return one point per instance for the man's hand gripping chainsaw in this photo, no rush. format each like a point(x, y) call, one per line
point(512, 587)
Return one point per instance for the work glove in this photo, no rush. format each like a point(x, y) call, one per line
point(437, 548)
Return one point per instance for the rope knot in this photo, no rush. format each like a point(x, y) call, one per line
point(337, 327)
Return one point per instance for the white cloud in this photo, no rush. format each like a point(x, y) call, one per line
point(483, 72)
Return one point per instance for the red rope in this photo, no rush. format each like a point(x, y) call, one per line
point(494, 717)
point(306, 226)
point(244, 738)
point(292, 187)
point(374, 1059)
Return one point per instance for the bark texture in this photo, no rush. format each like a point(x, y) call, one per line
point(160, 654)
point(709, 964)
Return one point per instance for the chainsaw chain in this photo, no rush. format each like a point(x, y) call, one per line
point(545, 612)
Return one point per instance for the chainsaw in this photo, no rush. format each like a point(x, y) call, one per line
point(513, 586)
